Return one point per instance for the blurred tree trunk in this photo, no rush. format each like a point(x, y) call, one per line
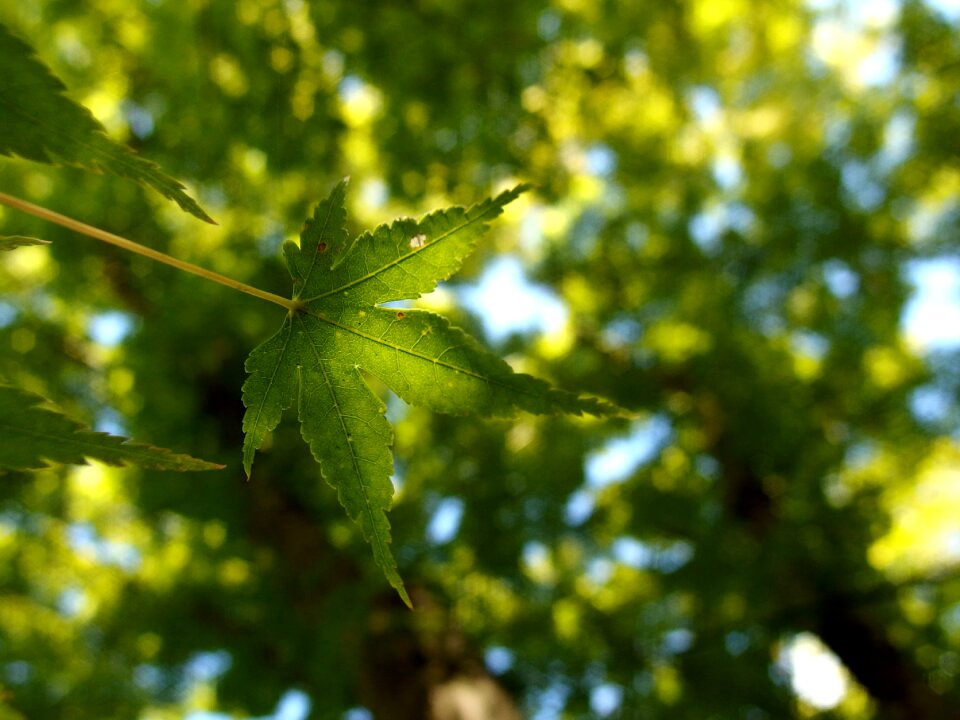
point(883, 669)
point(413, 665)
point(837, 605)
point(419, 666)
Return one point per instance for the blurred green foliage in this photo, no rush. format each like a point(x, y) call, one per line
point(733, 197)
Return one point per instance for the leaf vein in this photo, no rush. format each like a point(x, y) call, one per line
point(382, 552)
point(273, 375)
point(316, 253)
point(373, 274)
point(409, 351)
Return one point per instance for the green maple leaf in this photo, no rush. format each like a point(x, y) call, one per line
point(12, 242)
point(32, 436)
point(38, 122)
point(337, 329)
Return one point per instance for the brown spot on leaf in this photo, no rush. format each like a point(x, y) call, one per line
point(400, 315)
point(321, 247)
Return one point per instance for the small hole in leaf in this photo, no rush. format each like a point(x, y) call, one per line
point(321, 247)
point(418, 241)
point(400, 315)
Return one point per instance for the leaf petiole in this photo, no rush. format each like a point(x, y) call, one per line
point(139, 249)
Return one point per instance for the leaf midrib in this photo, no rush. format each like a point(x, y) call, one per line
point(273, 377)
point(402, 258)
point(122, 447)
point(133, 164)
point(316, 252)
point(382, 552)
point(409, 351)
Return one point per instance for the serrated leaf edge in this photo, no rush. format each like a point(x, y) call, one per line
point(382, 554)
point(135, 453)
point(495, 208)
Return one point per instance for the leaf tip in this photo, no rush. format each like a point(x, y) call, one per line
point(402, 592)
point(191, 206)
point(600, 408)
point(16, 241)
point(511, 194)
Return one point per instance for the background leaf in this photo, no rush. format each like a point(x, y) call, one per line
point(11, 242)
point(39, 123)
point(34, 436)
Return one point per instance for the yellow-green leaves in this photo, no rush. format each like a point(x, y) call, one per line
point(317, 356)
point(34, 436)
point(39, 123)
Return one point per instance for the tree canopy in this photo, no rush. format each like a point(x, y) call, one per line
point(734, 208)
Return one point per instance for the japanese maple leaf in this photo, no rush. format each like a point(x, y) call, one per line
point(38, 122)
point(339, 330)
point(35, 435)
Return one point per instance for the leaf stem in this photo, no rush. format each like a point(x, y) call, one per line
point(139, 249)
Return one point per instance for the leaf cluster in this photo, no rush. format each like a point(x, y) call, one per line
point(335, 329)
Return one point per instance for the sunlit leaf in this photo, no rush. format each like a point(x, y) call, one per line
point(319, 351)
